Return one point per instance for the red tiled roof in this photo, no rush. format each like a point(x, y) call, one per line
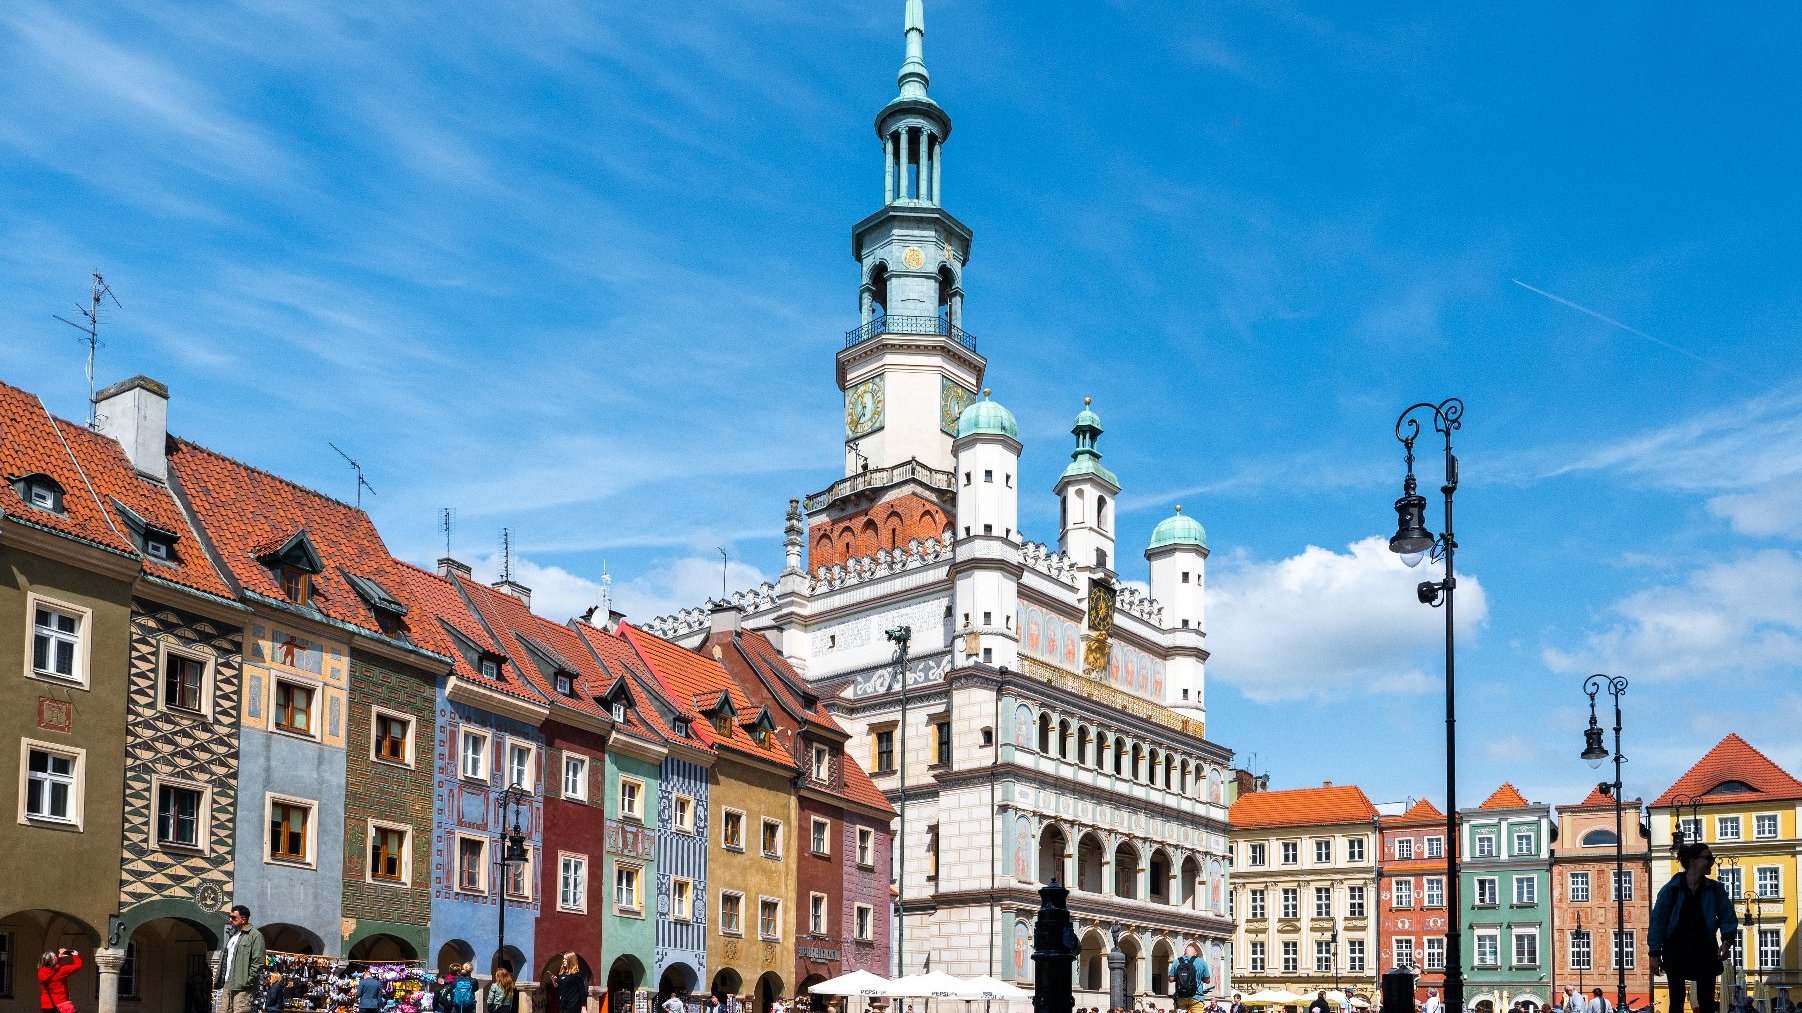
point(436, 604)
point(691, 676)
point(1597, 799)
point(245, 510)
point(1420, 814)
point(32, 443)
point(117, 482)
point(1505, 797)
point(1733, 759)
point(619, 661)
point(513, 622)
point(1301, 807)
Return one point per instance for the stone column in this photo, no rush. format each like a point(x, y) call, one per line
point(1119, 992)
point(888, 169)
point(528, 996)
point(108, 960)
point(926, 165)
point(938, 156)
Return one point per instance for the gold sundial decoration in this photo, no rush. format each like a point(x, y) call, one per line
point(1101, 627)
point(913, 258)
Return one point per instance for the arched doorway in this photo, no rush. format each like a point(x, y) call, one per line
point(281, 937)
point(726, 982)
point(1126, 871)
point(515, 961)
point(1161, 955)
point(769, 989)
point(455, 953)
point(1135, 963)
point(1052, 845)
point(39, 931)
point(382, 948)
point(1092, 962)
point(815, 1003)
point(623, 978)
point(167, 967)
point(677, 979)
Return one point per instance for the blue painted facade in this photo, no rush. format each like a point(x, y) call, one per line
point(682, 854)
point(462, 920)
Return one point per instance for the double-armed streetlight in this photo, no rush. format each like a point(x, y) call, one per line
point(1679, 805)
point(1595, 752)
point(513, 855)
point(1414, 542)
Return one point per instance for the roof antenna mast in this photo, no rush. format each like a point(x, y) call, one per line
point(90, 329)
point(446, 515)
point(724, 560)
point(506, 554)
point(362, 483)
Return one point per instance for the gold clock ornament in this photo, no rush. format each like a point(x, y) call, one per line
point(913, 258)
point(863, 407)
point(954, 397)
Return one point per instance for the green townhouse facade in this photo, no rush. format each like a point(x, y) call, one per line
point(1507, 902)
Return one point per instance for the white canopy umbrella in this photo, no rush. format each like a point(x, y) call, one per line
point(856, 983)
point(1283, 995)
point(930, 984)
point(1266, 997)
point(987, 987)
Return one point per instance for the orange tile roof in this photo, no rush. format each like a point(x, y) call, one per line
point(690, 676)
point(619, 661)
point(1505, 797)
point(1598, 799)
point(32, 443)
point(520, 630)
point(118, 484)
point(1301, 807)
point(435, 600)
point(1420, 814)
point(1733, 759)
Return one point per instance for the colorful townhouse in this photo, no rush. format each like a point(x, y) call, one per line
point(557, 664)
point(1506, 902)
point(1588, 949)
point(1411, 895)
point(1746, 808)
point(1305, 879)
point(486, 736)
point(679, 955)
point(751, 868)
point(177, 858)
point(841, 891)
point(68, 575)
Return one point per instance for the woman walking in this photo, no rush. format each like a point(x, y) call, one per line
point(53, 980)
point(1693, 928)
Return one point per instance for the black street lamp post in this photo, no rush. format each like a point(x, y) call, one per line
point(1595, 752)
point(1679, 805)
point(513, 855)
point(1413, 542)
point(901, 636)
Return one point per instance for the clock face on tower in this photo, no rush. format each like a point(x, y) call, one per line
point(954, 397)
point(863, 407)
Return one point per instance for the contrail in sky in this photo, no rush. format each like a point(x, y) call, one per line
point(1610, 321)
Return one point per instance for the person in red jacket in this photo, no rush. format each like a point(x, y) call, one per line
point(53, 980)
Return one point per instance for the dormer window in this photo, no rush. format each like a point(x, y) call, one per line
point(722, 723)
point(682, 728)
point(565, 684)
point(293, 561)
point(619, 710)
point(158, 549)
point(384, 605)
point(296, 585)
point(491, 668)
point(761, 736)
point(40, 492)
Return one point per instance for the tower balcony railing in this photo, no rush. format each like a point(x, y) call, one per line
point(881, 478)
point(899, 324)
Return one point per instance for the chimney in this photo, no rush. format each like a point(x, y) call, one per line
point(1326, 784)
point(135, 412)
point(614, 618)
point(448, 566)
point(725, 617)
point(516, 589)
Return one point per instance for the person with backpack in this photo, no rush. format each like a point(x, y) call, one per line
point(460, 989)
point(1190, 977)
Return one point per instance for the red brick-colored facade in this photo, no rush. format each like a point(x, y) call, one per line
point(1585, 902)
point(1414, 920)
point(890, 524)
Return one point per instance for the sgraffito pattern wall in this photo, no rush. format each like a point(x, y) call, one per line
point(382, 791)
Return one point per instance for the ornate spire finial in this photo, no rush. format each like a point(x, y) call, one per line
point(1086, 402)
point(986, 392)
point(1179, 508)
point(913, 78)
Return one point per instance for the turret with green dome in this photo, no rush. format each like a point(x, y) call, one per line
point(1086, 458)
point(988, 417)
point(1178, 530)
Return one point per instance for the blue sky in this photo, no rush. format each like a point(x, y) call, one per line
point(581, 271)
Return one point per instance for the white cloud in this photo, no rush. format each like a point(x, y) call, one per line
point(682, 583)
point(1324, 624)
point(557, 594)
point(1771, 509)
point(1727, 620)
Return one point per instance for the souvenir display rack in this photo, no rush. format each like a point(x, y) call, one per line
point(329, 984)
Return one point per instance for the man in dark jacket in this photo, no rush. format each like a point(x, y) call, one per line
point(241, 967)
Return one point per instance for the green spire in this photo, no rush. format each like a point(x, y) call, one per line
point(913, 78)
point(1086, 459)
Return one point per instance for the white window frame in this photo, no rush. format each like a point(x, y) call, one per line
point(456, 872)
point(866, 848)
point(1526, 890)
point(1401, 894)
point(635, 906)
point(1291, 951)
point(1432, 958)
point(863, 923)
point(1770, 958)
point(77, 817)
point(528, 877)
point(167, 646)
point(1429, 887)
point(726, 814)
point(1692, 828)
point(678, 820)
point(1354, 849)
point(763, 834)
point(1729, 828)
point(406, 854)
point(530, 784)
point(730, 930)
point(821, 771)
point(575, 772)
point(270, 799)
point(1323, 851)
point(1515, 938)
point(682, 899)
point(1403, 954)
point(1494, 938)
point(407, 748)
point(1523, 844)
point(1759, 823)
point(1616, 880)
point(771, 937)
point(1257, 854)
point(819, 841)
point(1354, 956)
point(1257, 903)
point(84, 641)
point(1627, 958)
point(1759, 879)
point(1323, 902)
point(205, 822)
point(1486, 845)
point(1732, 880)
point(572, 883)
point(1354, 901)
point(1577, 886)
point(1580, 952)
point(1289, 902)
point(1289, 852)
point(1404, 849)
point(315, 704)
point(464, 734)
point(817, 918)
point(1258, 959)
point(635, 811)
point(1495, 892)
point(1323, 956)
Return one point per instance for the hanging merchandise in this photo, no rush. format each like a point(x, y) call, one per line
point(317, 984)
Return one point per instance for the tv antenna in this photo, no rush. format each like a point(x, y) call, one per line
point(446, 515)
point(506, 554)
point(362, 483)
point(90, 329)
point(725, 559)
